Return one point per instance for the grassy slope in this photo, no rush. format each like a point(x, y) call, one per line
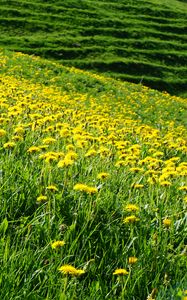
point(138, 41)
point(40, 98)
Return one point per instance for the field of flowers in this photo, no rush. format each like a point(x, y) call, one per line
point(93, 186)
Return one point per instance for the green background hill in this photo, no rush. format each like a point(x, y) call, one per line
point(138, 41)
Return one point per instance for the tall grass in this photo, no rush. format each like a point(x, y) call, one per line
point(93, 186)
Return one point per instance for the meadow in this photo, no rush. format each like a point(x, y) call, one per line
point(135, 40)
point(93, 185)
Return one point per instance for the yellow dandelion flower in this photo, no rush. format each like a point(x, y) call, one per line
point(17, 138)
point(9, 145)
point(120, 272)
point(52, 188)
point(130, 219)
point(70, 270)
point(49, 140)
point(80, 187)
point(183, 188)
point(131, 207)
point(132, 260)
point(103, 175)
point(85, 188)
point(165, 183)
point(91, 190)
point(90, 153)
point(167, 222)
point(57, 244)
point(2, 132)
point(33, 149)
point(65, 163)
point(41, 198)
point(136, 170)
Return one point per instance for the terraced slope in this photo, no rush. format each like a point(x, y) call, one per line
point(137, 40)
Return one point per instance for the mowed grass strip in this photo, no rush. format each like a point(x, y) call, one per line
point(74, 32)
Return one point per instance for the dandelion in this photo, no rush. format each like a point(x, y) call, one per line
point(165, 183)
point(183, 188)
point(52, 188)
point(66, 162)
point(57, 244)
point(167, 222)
point(85, 188)
point(70, 270)
point(120, 272)
point(9, 145)
point(90, 153)
point(103, 175)
point(132, 260)
point(131, 207)
point(131, 219)
point(49, 140)
point(41, 198)
point(33, 149)
point(2, 132)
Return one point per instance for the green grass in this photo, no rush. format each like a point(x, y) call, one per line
point(136, 135)
point(97, 34)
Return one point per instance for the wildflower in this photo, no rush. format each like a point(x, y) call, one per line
point(85, 188)
point(131, 207)
point(65, 162)
point(90, 153)
point(19, 130)
point(165, 183)
point(167, 222)
point(136, 170)
point(9, 145)
point(183, 188)
point(33, 149)
point(120, 272)
point(49, 140)
point(70, 270)
point(2, 132)
point(130, 219)
point(41, 198)
point(52, 188)
point(17, 138)
point(57, 244)
point(103, 175)
point(132, 260)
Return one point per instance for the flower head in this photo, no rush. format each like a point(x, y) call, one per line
point(131, 207)
point(132, 260)
point(131, 219)
point(167, 222)
point(41, 198)
point(103, 175)
point(120, 272)
point(70, 270)
point(57, 244)
point(52, 188)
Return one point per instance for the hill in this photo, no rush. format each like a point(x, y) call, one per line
point(137, 40)
point(93, 185)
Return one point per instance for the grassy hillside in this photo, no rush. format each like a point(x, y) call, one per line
point(137, 40)
point(92, 186)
